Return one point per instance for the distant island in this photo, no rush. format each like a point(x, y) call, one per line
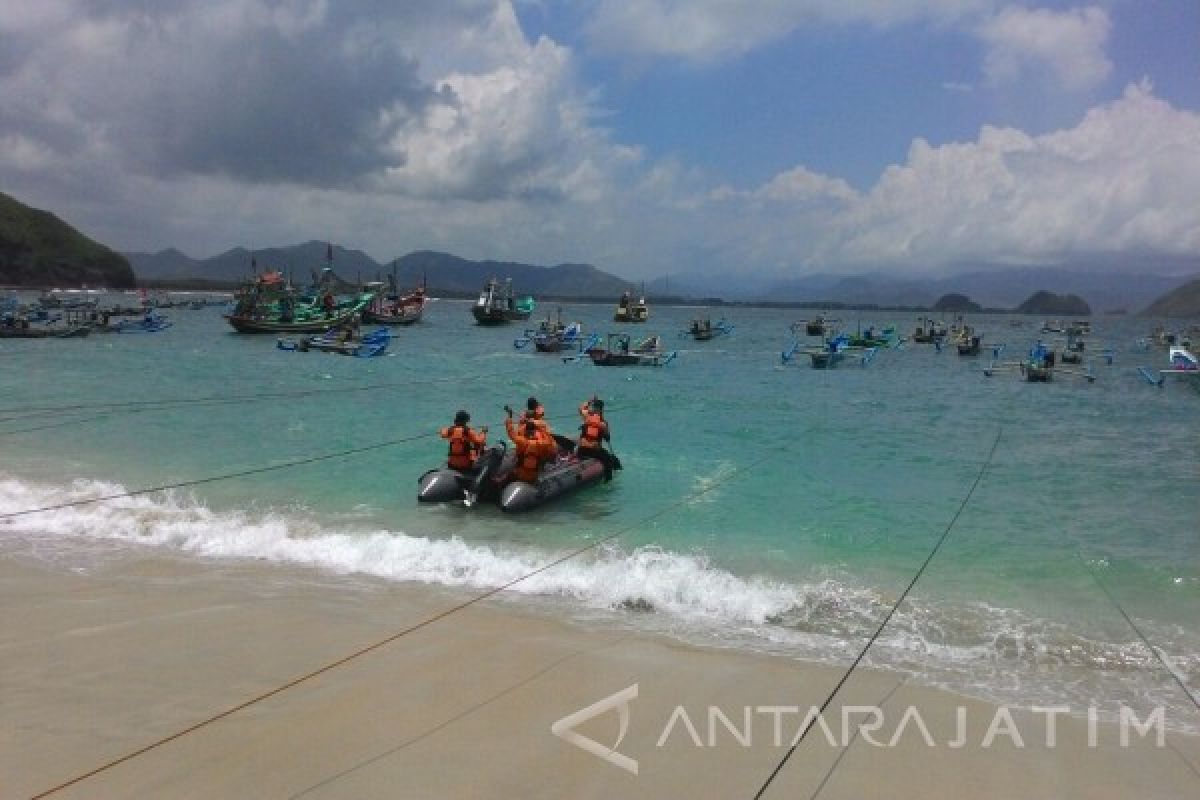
point(1181, 302)
point(1044, 303)
point(39, 249)
point(956, 303)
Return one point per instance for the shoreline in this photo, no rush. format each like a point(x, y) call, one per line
point(103, 661)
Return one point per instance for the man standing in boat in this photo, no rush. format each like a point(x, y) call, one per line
point(465, 444)
point(534, 447)
point(593, 433)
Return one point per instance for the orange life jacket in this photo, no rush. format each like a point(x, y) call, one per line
point(532, 451)
point(464, 446)
point(592, 430)
point(537, 417)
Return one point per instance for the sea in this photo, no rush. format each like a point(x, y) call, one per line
point(763, 506)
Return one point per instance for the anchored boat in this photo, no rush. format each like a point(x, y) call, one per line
point(267, 304)
point(497, 305)
point(552, 335)
point(629, 310)
point(833, 352)
point(1183, 364)
point(392, 307)
point(344, 342)
point(702, 329)
point(620, 352)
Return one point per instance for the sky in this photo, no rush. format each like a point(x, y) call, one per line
point(686, 137)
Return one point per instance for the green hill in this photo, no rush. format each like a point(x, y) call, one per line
point(39, 249)
point(1051, 304)
point(1183, 301)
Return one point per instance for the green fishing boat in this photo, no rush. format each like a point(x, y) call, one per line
point(269, 304)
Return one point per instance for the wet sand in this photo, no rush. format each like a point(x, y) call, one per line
point(97, 664)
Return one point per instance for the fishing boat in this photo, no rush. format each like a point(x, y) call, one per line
point(702, 329)
point(929, 331)
point(149, 323)
point(818, 326)
point(268, 304)
point(21, 327)
point(834, 351)
point(497, 305)
point(552, 335)
point(629, 310)
point(1039, 366)
point(391, 307)
point(344, 342)
point(967, 341)
point(970, 345)
point(620, 352)
point(1183, 364)
point(1052, 326)
point(491, 479)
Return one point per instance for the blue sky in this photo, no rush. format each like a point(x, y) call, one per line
point(771, 138)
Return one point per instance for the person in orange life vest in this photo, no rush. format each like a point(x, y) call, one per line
point(534, 447)
point(593, 433)
point(465, 444)
point(536, 413)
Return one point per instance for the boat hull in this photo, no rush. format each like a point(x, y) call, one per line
point(404, 318)
point(251, 325)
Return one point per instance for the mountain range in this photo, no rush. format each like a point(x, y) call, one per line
point(993, 287)
point(442, 271)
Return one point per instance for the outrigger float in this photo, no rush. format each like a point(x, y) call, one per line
point(369, 345)
point(833, 352)
point(1184, 364)
point(489, 480)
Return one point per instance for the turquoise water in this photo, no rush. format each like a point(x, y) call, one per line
point(798, 502)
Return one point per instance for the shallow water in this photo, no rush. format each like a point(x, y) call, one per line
point(795, 504)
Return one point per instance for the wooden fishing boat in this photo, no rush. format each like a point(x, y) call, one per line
point(629, 310)
point(970, 346)
point(834, 351)
point(391, 307)
point(267, 304)
point(620, 352)
point(552, 335)
point(929, 331)
point(497, 305)
point(702, 329)
point(345, 342)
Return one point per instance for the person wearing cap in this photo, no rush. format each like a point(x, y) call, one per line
point(465, 444)
point(593, 433)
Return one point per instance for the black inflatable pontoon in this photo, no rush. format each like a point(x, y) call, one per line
point(491, 481)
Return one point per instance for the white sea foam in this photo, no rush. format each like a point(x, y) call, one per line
point(1001, 654)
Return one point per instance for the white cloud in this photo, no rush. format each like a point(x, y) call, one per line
point(707, 30)
point(1069, 44)
point(152, 125)
point(1126, 179)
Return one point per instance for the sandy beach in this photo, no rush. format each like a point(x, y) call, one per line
point(101, 663)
